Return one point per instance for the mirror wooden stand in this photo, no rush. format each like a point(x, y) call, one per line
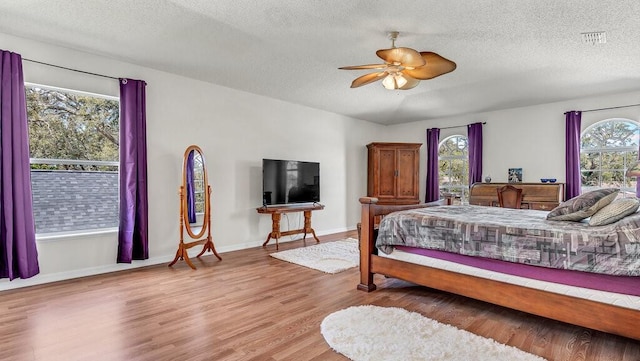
point(195, 195)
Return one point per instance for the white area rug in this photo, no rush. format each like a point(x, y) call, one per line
point(329, 257)
point(364, 333)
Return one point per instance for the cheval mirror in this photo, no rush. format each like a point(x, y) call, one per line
point(195, 207)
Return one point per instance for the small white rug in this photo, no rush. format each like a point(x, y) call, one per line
point(329, 257)
point(368, 333)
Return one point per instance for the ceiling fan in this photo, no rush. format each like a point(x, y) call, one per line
point(403, 68)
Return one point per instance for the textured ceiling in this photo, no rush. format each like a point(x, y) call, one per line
point(509, 53)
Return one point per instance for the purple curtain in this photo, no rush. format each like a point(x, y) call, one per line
point(133, 230)
point(433, 189)
point(18, 252)
point(572, 144)
point(474, 134)
point(191, 192)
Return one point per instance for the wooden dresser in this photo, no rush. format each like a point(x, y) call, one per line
point(541, 196)
point(393, 172)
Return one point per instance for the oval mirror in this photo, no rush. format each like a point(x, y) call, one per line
point(196, 206)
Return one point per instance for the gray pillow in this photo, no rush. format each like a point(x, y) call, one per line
point(584, 205)
point(615, 211)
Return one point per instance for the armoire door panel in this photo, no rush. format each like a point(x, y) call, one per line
point(387, 169)
point(407, 182)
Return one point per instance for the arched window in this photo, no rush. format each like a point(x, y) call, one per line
point(607, 149)
point(453, 166)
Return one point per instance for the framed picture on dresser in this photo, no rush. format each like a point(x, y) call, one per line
point(515, 175)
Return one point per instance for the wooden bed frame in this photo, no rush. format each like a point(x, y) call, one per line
point(587, 313)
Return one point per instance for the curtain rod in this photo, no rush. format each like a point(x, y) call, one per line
point(65, 68)
point(459, 126)
point(595, 110)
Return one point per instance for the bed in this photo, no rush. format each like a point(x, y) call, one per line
point(600, 313)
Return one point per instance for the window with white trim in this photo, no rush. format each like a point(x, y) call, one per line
point(74, 152)
point(453, 166)
point(607, 149)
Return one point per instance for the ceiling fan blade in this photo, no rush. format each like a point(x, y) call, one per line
point(368, 66)
point(404, 56)
point(411, 82)
point(368, 78)
point(436, 65)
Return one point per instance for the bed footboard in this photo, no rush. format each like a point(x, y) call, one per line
point(371, 209)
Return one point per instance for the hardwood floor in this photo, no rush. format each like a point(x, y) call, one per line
point(249, 306)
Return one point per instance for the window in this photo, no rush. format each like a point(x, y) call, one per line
point(607, 149)
point(73, 140)
point(453, 166)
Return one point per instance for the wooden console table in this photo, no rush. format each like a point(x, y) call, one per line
point(276, 214)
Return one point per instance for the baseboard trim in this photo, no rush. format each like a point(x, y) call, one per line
point(41, 279)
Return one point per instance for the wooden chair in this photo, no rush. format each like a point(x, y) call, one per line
point(509, 197)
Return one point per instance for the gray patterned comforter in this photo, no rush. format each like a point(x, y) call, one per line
point(515, 235)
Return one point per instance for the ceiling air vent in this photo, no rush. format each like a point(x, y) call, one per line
point(594, 37)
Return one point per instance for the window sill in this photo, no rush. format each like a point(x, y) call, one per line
point(74, 234)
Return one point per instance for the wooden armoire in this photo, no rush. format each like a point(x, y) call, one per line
point(393, 172)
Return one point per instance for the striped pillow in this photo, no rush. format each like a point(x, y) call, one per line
point(583, 206)
point(615, 211)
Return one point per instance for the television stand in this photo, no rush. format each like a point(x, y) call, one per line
point(276, 215)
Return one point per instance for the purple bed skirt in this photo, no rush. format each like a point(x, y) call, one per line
point(627, 285)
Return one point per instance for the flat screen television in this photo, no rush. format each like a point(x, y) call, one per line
point(290, 182)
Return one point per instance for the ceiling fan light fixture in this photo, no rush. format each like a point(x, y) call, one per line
point(394, 81)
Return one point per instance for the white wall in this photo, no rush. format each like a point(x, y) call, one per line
point(531, 138)
point(235, 131)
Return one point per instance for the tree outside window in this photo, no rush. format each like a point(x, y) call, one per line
point(453, 166)
point(74, 151)
point(608, 148)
